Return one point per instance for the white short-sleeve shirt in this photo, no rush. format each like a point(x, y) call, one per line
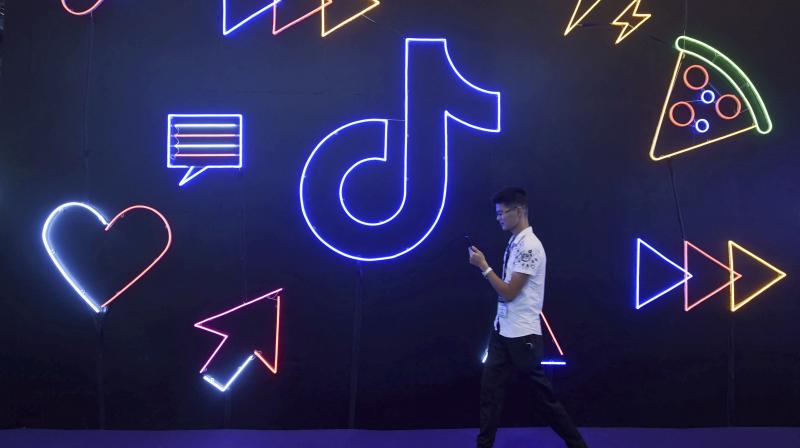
point(525, 254)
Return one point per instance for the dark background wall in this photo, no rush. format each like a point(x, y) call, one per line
point(84, 109)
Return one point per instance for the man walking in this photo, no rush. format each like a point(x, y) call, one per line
point(516, 339)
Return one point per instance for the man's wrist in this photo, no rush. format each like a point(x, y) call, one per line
point(486, 271)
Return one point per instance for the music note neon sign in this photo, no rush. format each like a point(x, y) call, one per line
point(328, 224)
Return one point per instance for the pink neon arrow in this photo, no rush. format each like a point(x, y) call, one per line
point(272, 366)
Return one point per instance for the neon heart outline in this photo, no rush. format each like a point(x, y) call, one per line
point(108, 224)
point(84, 12)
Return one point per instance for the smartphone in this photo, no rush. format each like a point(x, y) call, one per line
point(468, 240)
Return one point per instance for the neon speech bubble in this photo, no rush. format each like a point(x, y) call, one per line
point(204, 141)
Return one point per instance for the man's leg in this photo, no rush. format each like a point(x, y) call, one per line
point(526, 355)
point(496, 372)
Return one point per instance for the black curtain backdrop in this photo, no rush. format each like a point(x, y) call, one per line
point(85, 102)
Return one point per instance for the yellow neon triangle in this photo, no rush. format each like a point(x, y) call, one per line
point(324, 28)
point(734, 305)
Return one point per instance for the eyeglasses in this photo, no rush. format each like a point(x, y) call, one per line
point(499, 214)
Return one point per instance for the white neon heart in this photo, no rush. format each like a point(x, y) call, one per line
point(107, 225)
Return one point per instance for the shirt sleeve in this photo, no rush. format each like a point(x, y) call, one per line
point(525, 259)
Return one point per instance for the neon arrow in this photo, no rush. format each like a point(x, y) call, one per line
point(325, 30)
point(686, 275)
point(734, 276)
point(780, 275)
point(256, 353)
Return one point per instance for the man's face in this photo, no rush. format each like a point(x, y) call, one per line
point(507, 216)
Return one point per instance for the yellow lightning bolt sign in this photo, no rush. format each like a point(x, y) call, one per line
point(633, 20)
point(578, 15)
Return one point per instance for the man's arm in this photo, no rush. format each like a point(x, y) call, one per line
point(509, 291)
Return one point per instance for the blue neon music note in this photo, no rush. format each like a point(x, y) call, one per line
point(355, 170)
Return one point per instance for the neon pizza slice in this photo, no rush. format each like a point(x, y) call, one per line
point(739, 108)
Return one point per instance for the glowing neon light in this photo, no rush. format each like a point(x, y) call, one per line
point(84, 12)
point(738, 107)
point(177, 150)
point(553, 363)
point(552, 337)
point(324, 30)
point(701, 126)
point(633, 11)
point(223, 388)
point(84, 295)
point(741, 83)
point(672, 114)
point(708, 96)
point(229, 154)
point(273, 366)
point(206, 125)
point(706, 77)
point(686, 275)
point(447, 117)
point(544, 363)
point(780, 275)
point(573, 22)
point(205, 135)
point(228, 30)
point(276, 30)
point(735, 276)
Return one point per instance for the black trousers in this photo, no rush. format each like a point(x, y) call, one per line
point(524, 355)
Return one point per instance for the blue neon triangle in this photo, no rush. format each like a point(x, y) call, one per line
point(685, 275)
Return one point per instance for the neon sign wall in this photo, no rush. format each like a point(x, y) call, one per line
point(95, 305)
point(319, 190)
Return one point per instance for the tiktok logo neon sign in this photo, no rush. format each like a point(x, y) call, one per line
point(335, 171)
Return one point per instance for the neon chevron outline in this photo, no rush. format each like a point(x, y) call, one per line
point(226, 31)
point(325, 32)
point(781, 276)
point(686, 306)
point(686, 277)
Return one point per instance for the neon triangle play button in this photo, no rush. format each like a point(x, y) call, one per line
point(735, 305)
point(683, 274)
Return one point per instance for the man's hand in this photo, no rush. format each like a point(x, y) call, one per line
point(476, 258)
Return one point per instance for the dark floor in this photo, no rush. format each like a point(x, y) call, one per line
point(507, 438)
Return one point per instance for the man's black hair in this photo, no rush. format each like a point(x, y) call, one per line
point(511, 196)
